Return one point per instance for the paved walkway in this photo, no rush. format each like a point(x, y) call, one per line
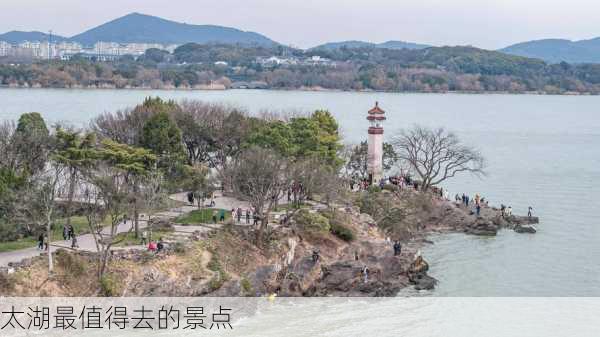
point(86, 241)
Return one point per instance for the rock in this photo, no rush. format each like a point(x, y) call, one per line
point(161, 224)
point(482, 227)
point(423, 282)
point(525, 229)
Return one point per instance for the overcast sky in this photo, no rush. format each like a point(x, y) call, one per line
point(488, 24)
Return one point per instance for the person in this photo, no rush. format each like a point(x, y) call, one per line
point(509, 211)
point(144, 238)
point(503, 210)
point(457, 198)
point(529, 211)
point(232, 214)
point(46, 242)
point(356, 257)
point(315, 256)
point(239, 214)
point(41, 241)
point(152, 246)
point(212, 200)
point(365, 272)
point(190, 198)
point(248, 216)
point(397, 248)
point(222, 215)
point(74, 242)
point(477, 198)
point(160, 245)
point(214, 217)
point(478, 208)
point(65, 232)
point(71, 231)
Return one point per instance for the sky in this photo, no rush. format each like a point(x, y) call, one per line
point(490, 24)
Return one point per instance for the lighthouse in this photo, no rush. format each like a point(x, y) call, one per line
point(375, 117)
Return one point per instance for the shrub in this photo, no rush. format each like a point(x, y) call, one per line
point(8, 232)
point(312, 221)
point(342, 232)
point(374, 189)
point(109, 285)
point(72, 264)
point(246, 286)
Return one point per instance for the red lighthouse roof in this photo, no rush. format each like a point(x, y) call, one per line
point(376, 113)
point(376, 110)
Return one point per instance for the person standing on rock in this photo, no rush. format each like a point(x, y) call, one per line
point(529, 211)
point(365, 273)
point(478, 208)
point(509, 211)
point(397, 248)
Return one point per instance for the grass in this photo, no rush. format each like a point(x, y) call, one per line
point(79, 224)
point(16, 245)
point(201, 216)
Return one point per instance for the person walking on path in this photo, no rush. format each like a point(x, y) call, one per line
point(248, 216)
point(71, 233)
point(41, 241)
point(74, 244)
point(65, 232)
point(239, 215)
point(222, 215)
point(214, 217)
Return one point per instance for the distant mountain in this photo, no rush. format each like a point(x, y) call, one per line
point(141, 28)
point(558, 50)
point(15, 37)
point(363, 44)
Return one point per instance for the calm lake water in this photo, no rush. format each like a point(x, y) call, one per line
point(542, 151)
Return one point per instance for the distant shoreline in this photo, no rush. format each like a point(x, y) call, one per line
point(303, 89)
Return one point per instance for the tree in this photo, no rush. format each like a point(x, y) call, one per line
point(259, 176)
point(114, 180)
point(74, 153)
point(31, 143)
point(436, 155)
point(162, 136)
point(357, 163)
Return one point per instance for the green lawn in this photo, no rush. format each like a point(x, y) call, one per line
point(79, 224)
point(16, 245)
point(201, 216)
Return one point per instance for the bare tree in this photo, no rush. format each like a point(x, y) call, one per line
point(436, 155)
point(39, 201)
point(259, 176)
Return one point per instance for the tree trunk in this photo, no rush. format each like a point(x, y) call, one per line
point(49, 238)
point(70, 196)
point(136, 212)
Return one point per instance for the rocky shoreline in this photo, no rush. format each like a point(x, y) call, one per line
point(225, 263)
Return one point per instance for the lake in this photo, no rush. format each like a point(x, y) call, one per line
point(542, 151)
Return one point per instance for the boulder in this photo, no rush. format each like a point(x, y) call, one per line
point(525, 229)
point(482, 227)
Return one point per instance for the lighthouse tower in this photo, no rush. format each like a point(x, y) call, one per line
point(375, 117)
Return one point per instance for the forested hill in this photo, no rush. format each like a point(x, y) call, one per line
point(137, 27)
point(434, 69)
point(558, 50)
point(363, 44)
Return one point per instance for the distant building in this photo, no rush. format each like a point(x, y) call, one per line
point(4, 48)
point(375, 116)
